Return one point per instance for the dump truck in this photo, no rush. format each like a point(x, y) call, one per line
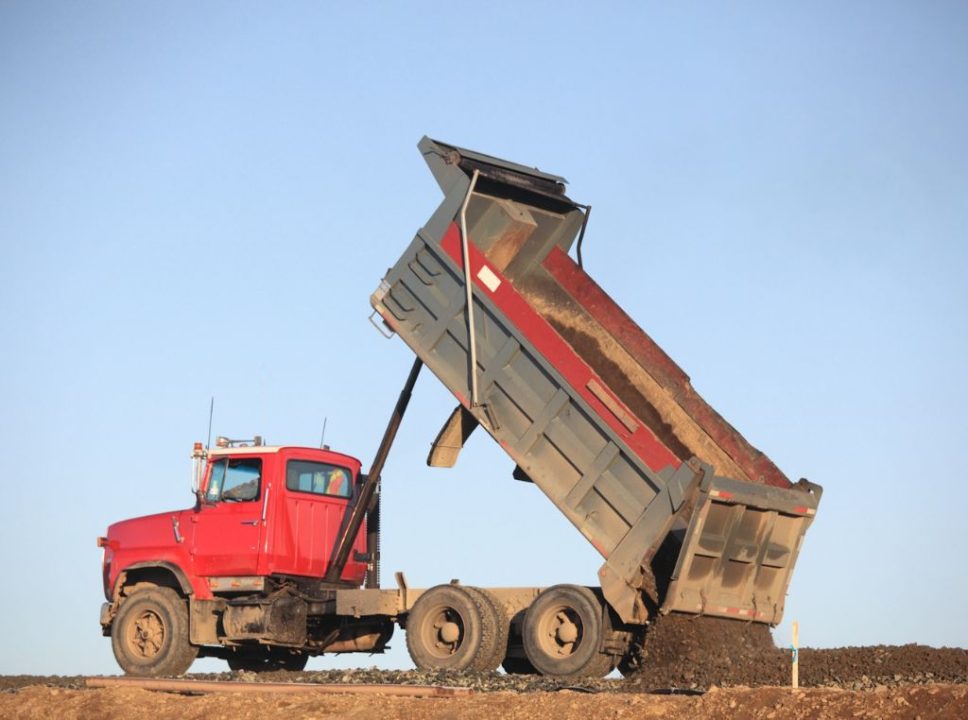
point(279, 559)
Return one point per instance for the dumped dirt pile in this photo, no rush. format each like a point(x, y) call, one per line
point(700, 652)
point(697, 652)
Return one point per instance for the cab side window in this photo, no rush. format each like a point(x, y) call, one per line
point(318, 478)
point(234, 480)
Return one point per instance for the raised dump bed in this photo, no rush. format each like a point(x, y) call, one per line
point(687, 514)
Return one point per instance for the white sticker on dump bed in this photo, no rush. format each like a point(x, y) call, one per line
point(491, 281)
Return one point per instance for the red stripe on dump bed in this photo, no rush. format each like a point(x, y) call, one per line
point(550, 344)
point(600, 306)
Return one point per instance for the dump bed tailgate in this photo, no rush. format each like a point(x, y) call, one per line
point(740, 549)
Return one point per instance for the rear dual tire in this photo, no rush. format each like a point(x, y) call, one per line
point(452, 627)
point(457, 628)
point(563, 633)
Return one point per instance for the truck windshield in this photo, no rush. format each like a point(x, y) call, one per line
point(318, 478)
point(234, 480)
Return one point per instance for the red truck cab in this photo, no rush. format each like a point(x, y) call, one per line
point(261, 511)
point(265, 518)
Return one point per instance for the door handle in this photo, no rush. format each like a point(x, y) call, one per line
point(251, 522)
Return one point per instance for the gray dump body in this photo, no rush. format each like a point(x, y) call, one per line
point(688, 516)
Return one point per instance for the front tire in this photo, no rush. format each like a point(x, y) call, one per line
point(149, 635)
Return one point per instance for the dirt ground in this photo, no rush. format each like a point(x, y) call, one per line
point(702, 669)
point(940, 701)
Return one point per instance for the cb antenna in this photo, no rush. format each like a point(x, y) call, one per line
point(211, 412)
point(322, 437)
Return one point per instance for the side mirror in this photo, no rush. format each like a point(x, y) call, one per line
point(198, 471)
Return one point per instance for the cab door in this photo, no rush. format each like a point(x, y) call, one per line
point(316, 498)
point(229, 526)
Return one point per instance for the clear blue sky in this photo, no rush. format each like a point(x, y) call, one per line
point(197, 199)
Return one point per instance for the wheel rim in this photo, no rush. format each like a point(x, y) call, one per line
point(443, 632)
point(146, 634)
point(560, 632)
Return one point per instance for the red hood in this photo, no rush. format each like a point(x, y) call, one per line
point(151, 537)
point(156, 530)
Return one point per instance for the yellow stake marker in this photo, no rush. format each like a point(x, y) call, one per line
point(796, 654)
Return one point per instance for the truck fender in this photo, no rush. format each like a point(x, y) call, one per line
point(137, 572)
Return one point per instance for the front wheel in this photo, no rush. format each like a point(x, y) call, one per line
point(149, 636)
